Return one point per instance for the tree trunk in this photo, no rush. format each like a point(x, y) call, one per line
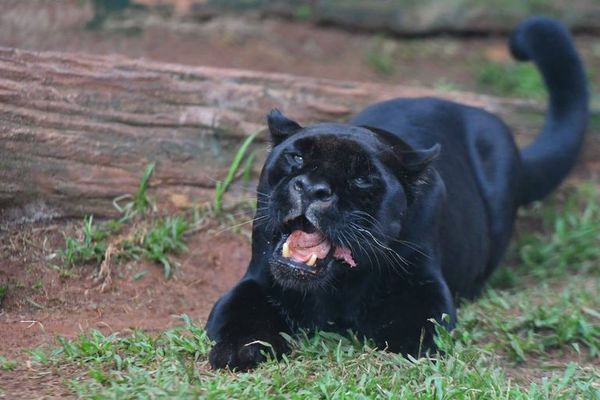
point(77, 130)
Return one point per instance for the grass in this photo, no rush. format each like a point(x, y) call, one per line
point(379, 56)
point(140, 202)
point(90, 248)
point(529, 323)
point(7, 364)
point(326, 365)
point(303, 12)
point(129, 236)
point(571, 240)
point(537, 338)
point(222, 186)
point(94, 237)
point(567, 241)
point(164, 238)
point(510, 78)
point(3, 291)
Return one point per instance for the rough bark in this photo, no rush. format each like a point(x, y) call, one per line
point(77, 130)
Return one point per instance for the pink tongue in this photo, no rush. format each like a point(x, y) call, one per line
point(344, 253)
point(303, 245)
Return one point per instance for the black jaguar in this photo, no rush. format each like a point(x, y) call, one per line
point(380, 224)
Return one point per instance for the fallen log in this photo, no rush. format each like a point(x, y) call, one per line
point(76, 130)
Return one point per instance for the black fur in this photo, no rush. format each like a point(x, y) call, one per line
point(423, 192)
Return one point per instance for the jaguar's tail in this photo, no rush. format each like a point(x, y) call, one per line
point(548, 160)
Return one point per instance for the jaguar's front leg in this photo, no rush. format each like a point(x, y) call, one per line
point(241, 322)
point(404, 323)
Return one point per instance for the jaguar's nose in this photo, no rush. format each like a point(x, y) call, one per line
point(312, 190)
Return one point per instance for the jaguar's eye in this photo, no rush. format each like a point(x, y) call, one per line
point(295, 159)
point(362, 182)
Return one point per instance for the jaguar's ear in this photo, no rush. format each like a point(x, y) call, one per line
point(281, 127)
point(416, 161)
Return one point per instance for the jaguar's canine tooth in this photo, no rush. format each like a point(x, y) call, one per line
point(312, 260)
point(285, 250)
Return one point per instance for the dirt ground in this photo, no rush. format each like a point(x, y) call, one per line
point(44, 301)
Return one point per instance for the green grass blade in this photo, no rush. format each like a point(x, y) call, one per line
point(222, 186)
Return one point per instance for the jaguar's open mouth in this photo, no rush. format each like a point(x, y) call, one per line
point(306, 249)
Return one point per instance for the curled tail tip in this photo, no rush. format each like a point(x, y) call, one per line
point(524, 37)
point(548, 160)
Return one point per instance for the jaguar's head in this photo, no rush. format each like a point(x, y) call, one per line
point(332, 199)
